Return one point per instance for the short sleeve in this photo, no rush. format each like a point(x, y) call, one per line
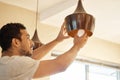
point(23, 68)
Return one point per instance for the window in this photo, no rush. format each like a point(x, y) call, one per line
point(102, 73)
point(81, 71)
point(75, 71)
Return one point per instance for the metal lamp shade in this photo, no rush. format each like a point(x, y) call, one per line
point(79, 20)
point(35, 39)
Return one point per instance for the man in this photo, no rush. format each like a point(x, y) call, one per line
point(20, 62)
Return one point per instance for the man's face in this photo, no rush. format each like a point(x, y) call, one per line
point(26, 47)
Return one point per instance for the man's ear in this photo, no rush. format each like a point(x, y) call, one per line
point(15, 42)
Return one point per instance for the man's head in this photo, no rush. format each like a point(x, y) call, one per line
point(15, 36)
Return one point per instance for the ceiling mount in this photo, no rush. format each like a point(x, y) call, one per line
point(79, 8)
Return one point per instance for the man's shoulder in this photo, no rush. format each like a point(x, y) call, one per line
point(15, 59)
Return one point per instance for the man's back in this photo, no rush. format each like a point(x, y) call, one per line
point(17, 68)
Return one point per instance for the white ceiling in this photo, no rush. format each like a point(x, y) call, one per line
point(53, 12)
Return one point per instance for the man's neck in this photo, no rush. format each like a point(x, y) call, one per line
point(9, 53)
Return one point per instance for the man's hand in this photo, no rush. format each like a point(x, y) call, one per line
point(62, 34)
point(80, 41)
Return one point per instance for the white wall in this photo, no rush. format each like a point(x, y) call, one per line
point(102, 50)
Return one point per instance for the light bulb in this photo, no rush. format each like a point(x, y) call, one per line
point(80, 32)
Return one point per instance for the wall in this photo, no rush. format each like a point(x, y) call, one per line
point(10, 14)
point(102, 50)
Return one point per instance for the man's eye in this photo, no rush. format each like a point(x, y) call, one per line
point(28, 37)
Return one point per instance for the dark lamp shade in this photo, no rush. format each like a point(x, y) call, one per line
point(77, 21)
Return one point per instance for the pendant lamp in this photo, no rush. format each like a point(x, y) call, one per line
point(79, 20)
point(35, 37)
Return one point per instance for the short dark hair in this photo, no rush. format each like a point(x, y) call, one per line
point(8, 32)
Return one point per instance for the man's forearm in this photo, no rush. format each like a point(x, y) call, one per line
point(68, 57)
point(43, 50)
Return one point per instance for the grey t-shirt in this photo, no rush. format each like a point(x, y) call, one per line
point(17, 68)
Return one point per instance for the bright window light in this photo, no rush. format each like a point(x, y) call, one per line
point(76, 71)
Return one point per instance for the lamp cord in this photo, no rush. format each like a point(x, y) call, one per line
point(36, 24)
